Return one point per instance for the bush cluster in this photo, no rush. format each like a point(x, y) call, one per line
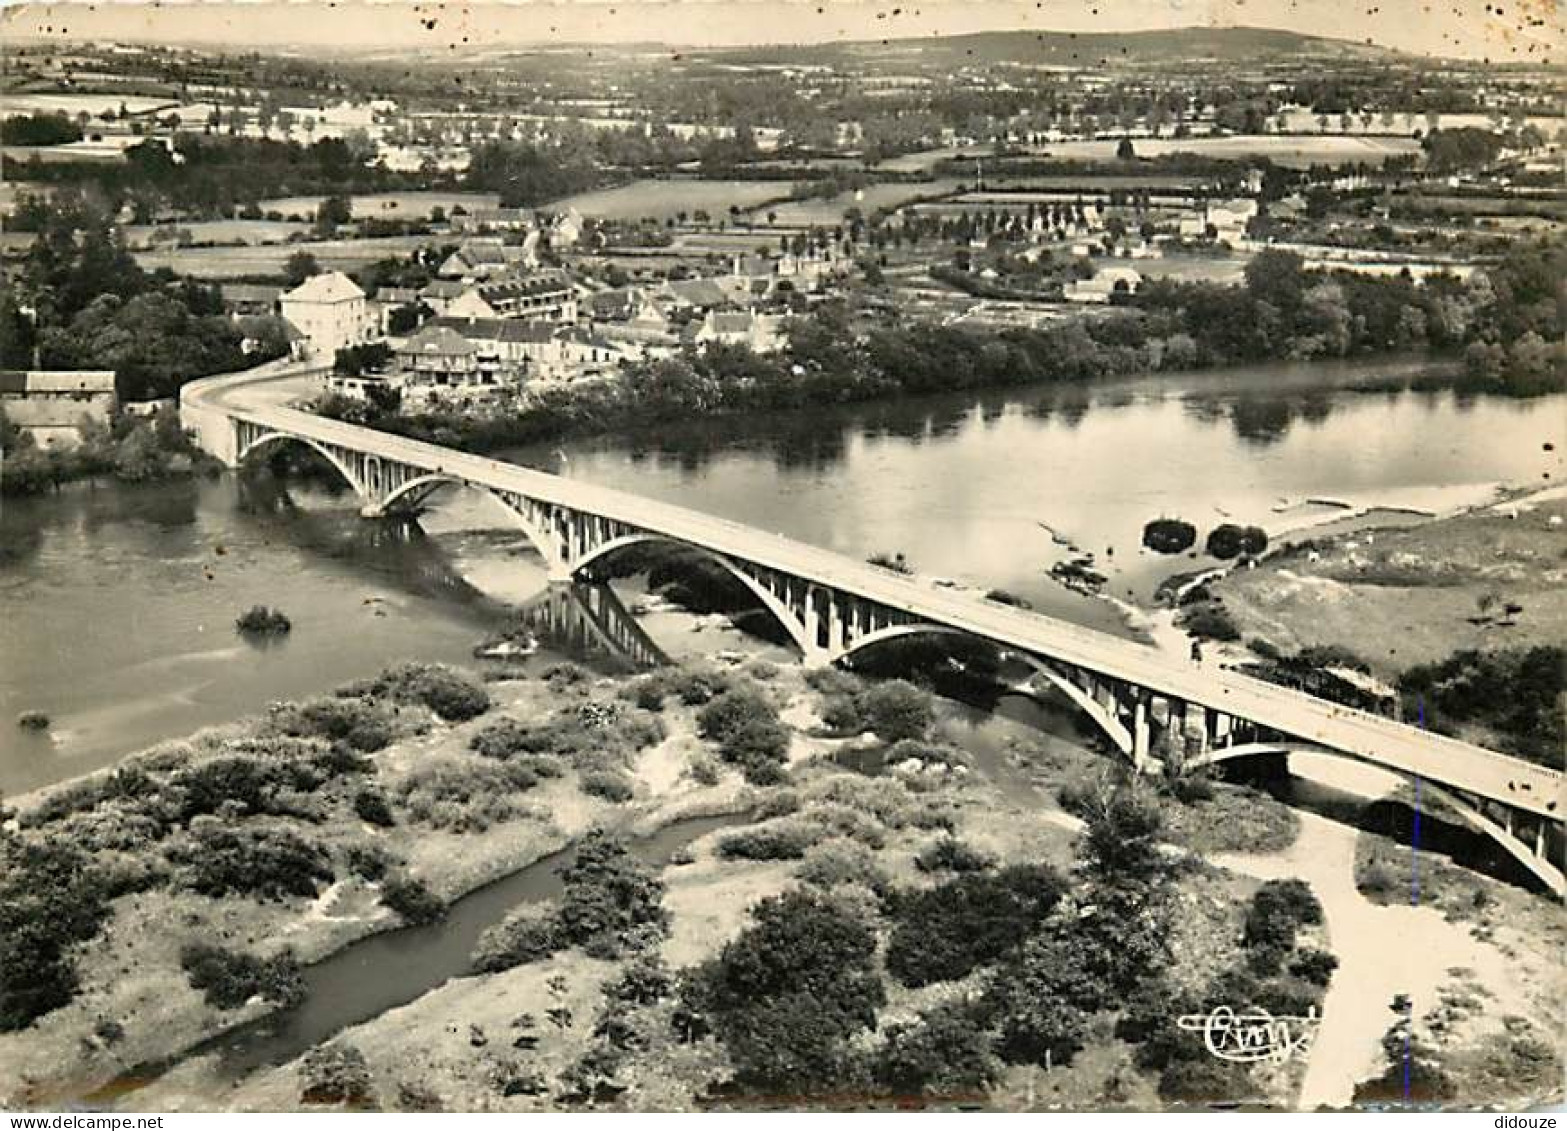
point(261, 861)
point(453, 695)
point(528, 934)
point(946, 932)
point(230, 978)
point(412, 899)
point(745, 726)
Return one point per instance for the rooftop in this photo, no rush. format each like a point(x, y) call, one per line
point(332, 286)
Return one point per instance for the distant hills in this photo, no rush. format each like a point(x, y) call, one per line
point(1059, 48)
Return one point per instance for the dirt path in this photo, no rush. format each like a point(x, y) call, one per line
point(1382, 951)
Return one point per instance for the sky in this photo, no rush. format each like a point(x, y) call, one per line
point(1506, 30)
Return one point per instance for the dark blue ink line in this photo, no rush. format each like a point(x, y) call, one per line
point(1414, 899)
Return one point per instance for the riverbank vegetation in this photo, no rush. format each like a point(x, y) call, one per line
point(128, 449)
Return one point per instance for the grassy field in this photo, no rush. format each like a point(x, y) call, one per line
point(803, 213)
point(250, 232)
point(1414, 595)
point(1297, 151)
point(388, 205)
point(234, 262)
point(660, 199)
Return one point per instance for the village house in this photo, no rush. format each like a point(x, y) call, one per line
point(759, 332)
point(438, 294)
point(1106, 283)
point(51, 405)
point(1228, 220)
point(246, 299)
point(483, 259)
point(438, 360)
point(331, 312)
point(546, 294)
point(517, 349)
point(566, 229)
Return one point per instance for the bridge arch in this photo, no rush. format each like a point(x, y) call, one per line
point(421, 488)
point(271, 439)
point(1105, 719)
point(785, 616)
point(1538, 864)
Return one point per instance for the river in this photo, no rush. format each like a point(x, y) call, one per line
point(117, 602)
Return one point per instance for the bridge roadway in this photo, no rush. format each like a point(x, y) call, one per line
point(1371, 738)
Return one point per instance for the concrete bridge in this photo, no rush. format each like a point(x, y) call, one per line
point(1162, 714)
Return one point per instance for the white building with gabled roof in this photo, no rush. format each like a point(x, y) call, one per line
point(330, 311)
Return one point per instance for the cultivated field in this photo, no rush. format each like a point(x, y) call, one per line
point(1290, 150)
point(660, 199)
point(234, 262)
point(825, 213)
point(249, 232)
point(388, 205)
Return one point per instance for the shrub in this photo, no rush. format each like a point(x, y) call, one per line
point(268, 863)
point(611, 899)
point(363, 724)
point(1314, 966)
point(453, 695)
point(945, 932)
point(463, 794)
point(840, 861)
point(259, 620)
point(1206, 1081)
point(760, 747)
point(413, 900)
point(896, 709)
point(949, 854)
point(728, 712)
point(503, 738)
point(1378, 879)
point(1169, 536)
point(787, 995)
point(1229, 540)
point(783, 839)
point(335, 1073)
point(528, 934)
point(1277, 908)
point(1210, 620)
point(368, 861)
point(609, 785)
point(566, 675)
point(51, 898)
point(33, 720)
point(748, 733)
point(370, 805)
point(946, 1052)
point(230, 978)
point(1036, 1004)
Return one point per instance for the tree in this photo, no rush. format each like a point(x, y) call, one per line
point(612, 901)
point(946, 1052)
point(972, 920)
point(896, 709)
point(789, 992)
point(300, 266)
point(51, 899)
point(1126, 151)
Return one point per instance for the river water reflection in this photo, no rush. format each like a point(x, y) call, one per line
point(117, 603)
